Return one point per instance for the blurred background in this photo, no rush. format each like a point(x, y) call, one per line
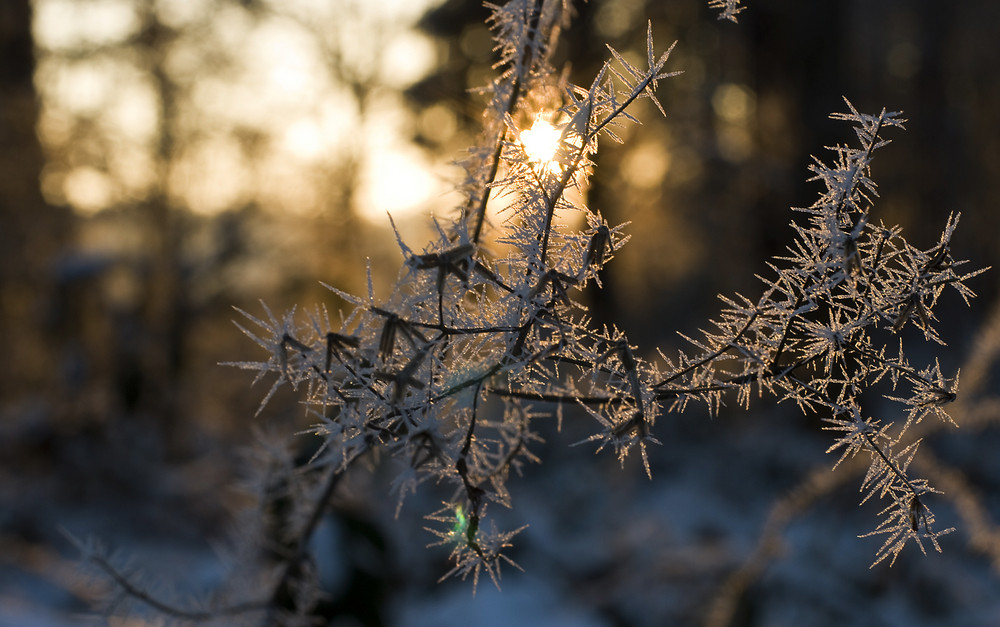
point(163, 161)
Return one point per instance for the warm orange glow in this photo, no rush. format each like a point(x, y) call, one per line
point(263, 111)
point(541, 143)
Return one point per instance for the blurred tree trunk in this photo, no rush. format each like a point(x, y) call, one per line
point(32, 233)
point(165, 302)
point(152, 339)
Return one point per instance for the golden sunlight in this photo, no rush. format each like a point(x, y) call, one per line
point(541, 142)
point(278, 87)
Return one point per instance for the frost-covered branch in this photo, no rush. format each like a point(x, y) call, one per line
point(411, 374)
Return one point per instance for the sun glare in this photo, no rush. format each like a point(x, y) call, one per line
point(541, 142)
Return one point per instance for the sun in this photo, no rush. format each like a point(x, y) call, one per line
point(541, 143)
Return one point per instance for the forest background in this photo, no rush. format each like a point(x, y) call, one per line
point(165, 161)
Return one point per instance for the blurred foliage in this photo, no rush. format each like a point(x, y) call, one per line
point(197, 156)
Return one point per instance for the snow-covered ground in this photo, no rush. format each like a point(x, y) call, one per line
point(605, 546)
